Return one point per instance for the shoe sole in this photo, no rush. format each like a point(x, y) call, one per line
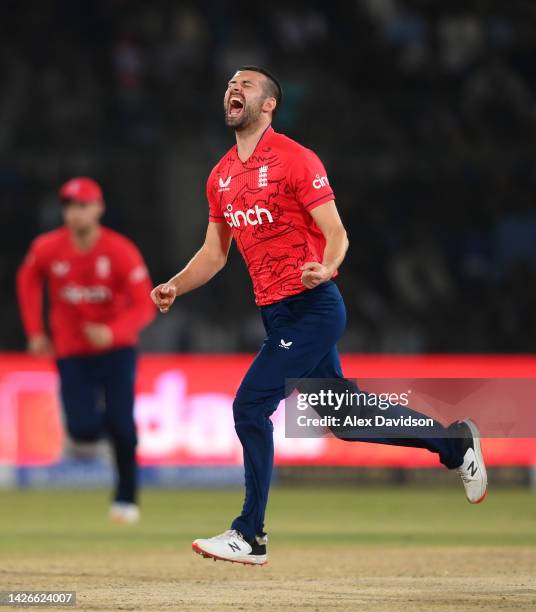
point(206, 555)
point(122, 521)
point(480, 458)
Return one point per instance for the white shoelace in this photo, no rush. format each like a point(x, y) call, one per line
point(230, 533)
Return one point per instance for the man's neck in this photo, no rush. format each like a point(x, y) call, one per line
point(85, 240)
point(247, 139)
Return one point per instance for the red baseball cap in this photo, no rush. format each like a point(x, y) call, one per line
point(82, 189)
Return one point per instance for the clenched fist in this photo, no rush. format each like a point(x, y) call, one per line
point(163, 296)
point(314, 273)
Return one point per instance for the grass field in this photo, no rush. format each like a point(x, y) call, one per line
point(330, 549)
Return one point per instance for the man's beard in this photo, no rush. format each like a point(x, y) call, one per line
point(249, 116)
point(83, 231)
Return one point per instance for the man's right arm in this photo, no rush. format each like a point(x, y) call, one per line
point(30, 295)
point(205, 264)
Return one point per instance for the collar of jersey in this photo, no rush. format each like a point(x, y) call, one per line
point(264, 137)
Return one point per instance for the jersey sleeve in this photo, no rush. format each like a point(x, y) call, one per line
point(136, 283)
point(30, 281)
point(214, 209)
point(308, 178)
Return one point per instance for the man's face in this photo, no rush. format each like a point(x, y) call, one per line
point(81, 217)
point(244, 99)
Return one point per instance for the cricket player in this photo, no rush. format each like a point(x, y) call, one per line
point(98, 289)
point(273, 196)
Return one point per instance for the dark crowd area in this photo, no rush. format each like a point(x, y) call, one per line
point(423, 113)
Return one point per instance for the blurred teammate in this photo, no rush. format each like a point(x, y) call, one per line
point(273, 197)
point(98, 293)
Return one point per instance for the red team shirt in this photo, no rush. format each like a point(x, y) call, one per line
point(267, 202)
point(108, 284)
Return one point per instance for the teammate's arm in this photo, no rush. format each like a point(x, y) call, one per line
point(30, 280)
point(138, 311)
point(205, 264)
point(328, 220)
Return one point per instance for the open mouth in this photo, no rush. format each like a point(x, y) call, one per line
point(235, 107)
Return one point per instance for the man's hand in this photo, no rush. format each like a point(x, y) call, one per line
point(98, 334)
point(163, 296)
point(40, 345)
point(314, 273)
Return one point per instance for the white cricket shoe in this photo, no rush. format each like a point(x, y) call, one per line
point(473, 469)
point(124, 513)
point(231, 546)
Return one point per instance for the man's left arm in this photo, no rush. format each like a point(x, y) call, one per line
point(139, 311)
point(327, 218)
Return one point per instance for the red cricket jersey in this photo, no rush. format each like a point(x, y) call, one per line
point(107, 284)
point(267, 202)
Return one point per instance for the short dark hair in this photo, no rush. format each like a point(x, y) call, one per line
point(273, 89)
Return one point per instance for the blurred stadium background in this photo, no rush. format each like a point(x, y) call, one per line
point(424, 114)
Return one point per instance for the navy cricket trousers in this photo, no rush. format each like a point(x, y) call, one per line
point(313, 321)
point(97, 393)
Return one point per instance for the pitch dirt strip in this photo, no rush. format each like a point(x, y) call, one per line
point(308, 578)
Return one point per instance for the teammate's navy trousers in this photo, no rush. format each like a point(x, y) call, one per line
point(313, 321)
point(98, 399)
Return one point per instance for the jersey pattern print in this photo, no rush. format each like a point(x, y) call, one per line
point(267, 202)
